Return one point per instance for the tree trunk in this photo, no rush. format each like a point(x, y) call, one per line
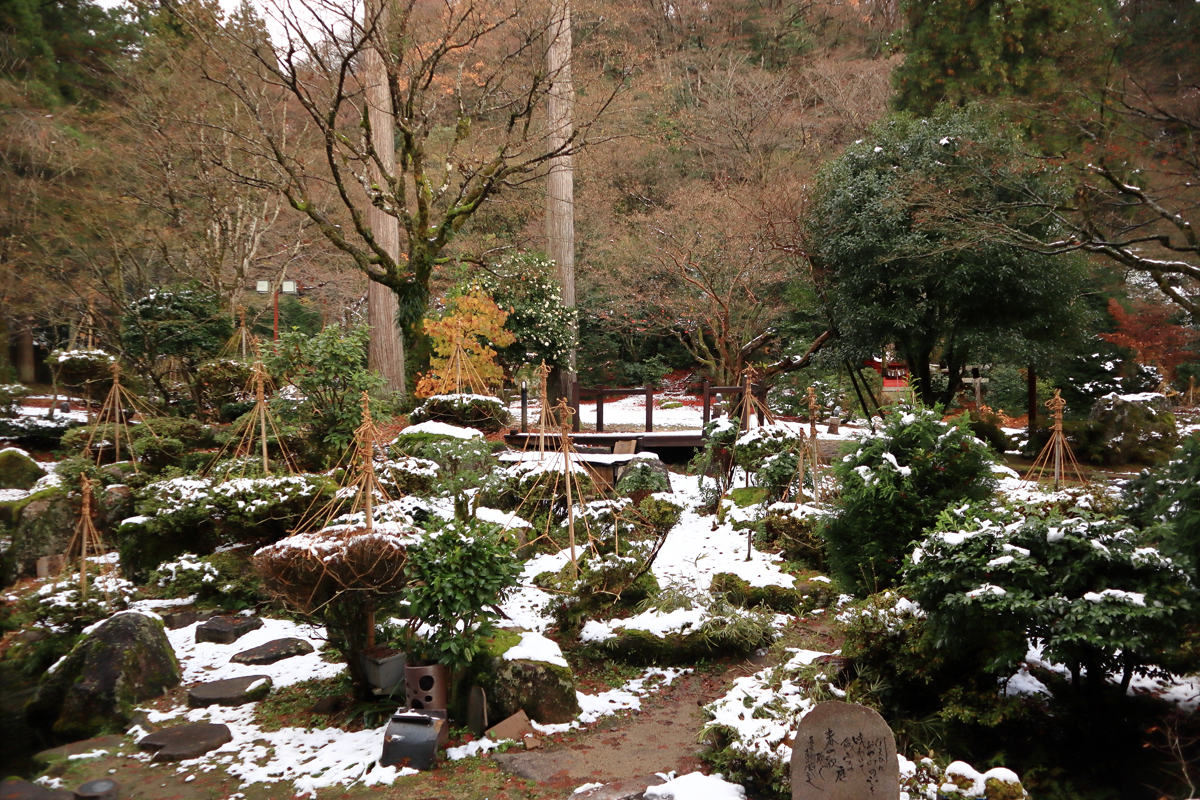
point(26, 363)
point(560, 185)
point(385, 352)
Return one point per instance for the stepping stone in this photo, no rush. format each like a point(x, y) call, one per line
point(229, 692)
point(274, 651)
point(174, 620)
point(110, 743)
point(17, 789)
point(103, 789)
point(185, 741)
point(227, 630)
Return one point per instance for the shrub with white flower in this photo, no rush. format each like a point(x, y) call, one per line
point(526, 285)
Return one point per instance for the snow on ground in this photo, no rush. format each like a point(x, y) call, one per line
point(209, 661)
point(696, 786)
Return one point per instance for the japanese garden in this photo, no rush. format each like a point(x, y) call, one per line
point(599, 399)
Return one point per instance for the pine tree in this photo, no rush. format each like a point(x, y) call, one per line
point(960, 50)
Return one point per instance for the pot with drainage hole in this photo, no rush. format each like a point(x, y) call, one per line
point(425, 684)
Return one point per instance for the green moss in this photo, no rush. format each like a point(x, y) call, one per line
point(748, 496)
point(17, 470)
point(741, 593)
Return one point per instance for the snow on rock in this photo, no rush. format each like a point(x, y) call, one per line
point(535, 647)
point(963, 779)
point(443, 429)
point(696, 786)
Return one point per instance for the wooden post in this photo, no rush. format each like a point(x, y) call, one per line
point(600, 409)
point(760, 394)
point(707, 401)
point(1031, 398)
point(649, 408)
point(978, 387)
point(574, 408)
point(524, 407)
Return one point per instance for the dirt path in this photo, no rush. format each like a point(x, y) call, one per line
point(626, 753)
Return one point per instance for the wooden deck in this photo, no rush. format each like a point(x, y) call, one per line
point(652, 441)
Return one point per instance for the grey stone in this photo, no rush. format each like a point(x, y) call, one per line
point(546, 692)
point(18, 470)
point(95, 689)
point(185, 741)
point(227, 630)
point(271, 652)
point(174, 620)
point(844, 752)
point(103, 789)
point(230, 692)
point(42, 525)
point(17, 789)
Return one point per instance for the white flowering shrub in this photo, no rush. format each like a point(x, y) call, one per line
point(526, 286)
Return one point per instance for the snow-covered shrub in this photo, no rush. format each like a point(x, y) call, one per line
point(641, 478)
point(222, 579)
point(537, 490)
point(1167, 500)
point(88, 370)
point(60, 606)
point(462, 460)
point(793, 530)
point(1087, 590)
point(607, 584)
point(11, 395)
point(752, 448)
point(472, 410)
point(678, 626)
point(893, 486)
point(403, 476)
point(198, 514)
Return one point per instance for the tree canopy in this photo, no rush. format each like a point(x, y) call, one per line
point(897, 268)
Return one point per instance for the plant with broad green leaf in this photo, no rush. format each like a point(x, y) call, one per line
point(1166, 502)
point(458, 575)
point(329, 372)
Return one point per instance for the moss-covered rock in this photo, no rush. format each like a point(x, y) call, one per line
point(42, 525)
point(777, 598)
point(95, 689)
point(544, 691)
point(18, 470)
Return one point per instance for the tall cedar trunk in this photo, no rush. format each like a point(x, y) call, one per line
point(26, 363)
point(385, 352)
point(560, 183)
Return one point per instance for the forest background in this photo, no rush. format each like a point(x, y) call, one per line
point(716, 144)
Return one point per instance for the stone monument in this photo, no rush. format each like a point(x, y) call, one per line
point(844, 752)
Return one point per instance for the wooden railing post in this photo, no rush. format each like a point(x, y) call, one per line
point(707, 400)
point(575, 405)
point(524, 407)
point(649, 408)
point(600, 409)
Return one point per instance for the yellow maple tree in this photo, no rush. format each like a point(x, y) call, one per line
point(462, 343)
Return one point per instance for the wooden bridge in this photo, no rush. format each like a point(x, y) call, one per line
point(647, 439)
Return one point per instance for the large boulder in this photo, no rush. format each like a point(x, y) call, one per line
point(94, 690)
point(1131, 428)
point(42, 525)
point(18, 470)
point(526, 672)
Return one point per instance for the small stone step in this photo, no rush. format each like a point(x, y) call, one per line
point(227, 630)
point(174, 620)
point(274, 651)
point(185, 741)
point(17, 789)
point(47, 757)
point(229, 692)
